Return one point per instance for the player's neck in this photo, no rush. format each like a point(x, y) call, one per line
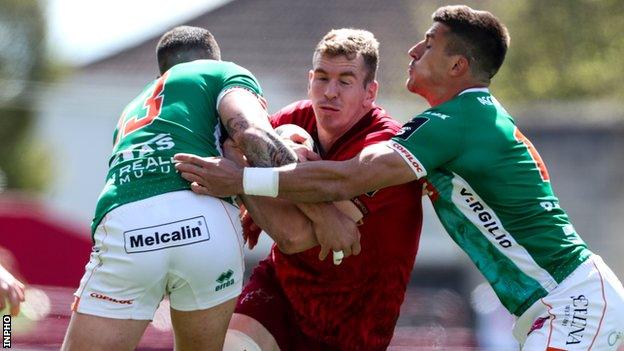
point(328, 136)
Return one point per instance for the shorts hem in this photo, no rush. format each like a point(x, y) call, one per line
point(109, 314)
point(206, 304)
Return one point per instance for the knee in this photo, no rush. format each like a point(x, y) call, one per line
point(238, 341)
point(245, 330)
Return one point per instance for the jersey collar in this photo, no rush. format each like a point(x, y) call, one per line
point(474, 90)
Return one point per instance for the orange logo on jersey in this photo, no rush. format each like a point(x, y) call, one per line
point(534, 154)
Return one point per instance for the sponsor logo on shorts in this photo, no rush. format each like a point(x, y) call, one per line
point(575, 319)
point(163, 236)
point(613, 337)
point(225, 280)
point(538, 324)
point(110, 299)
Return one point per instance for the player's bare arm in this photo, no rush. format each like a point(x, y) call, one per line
point(289, 228)
point(293, 231)
point(334, 229)
point(376, 167)
point(262, 147)
point(246, 122)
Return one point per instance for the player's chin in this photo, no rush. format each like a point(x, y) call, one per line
point(334, 122)
point(415, 88)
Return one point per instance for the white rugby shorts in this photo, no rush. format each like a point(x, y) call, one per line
point(585, 312)
point(180, 244)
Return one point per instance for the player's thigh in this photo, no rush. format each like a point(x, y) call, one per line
point(208, 272)
point(202, 329)
point(245, 333)
point(93, 333)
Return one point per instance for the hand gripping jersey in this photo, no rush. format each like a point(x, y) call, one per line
point(175, 113)
point(492, 193)
point(355, 306)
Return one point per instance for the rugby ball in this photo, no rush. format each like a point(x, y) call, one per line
point(296, 134)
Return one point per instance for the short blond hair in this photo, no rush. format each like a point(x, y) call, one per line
point(350, 42)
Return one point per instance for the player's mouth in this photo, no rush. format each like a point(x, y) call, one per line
point(329, 108)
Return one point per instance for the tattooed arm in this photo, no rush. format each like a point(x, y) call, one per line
point(247, 124)
point(295, 227)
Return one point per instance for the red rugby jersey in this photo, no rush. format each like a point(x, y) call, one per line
point(355, 306)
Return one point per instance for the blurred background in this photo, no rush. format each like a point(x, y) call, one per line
point(68, 67)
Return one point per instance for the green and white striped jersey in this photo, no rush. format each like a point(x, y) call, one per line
point(492, 193)
point(175, 113)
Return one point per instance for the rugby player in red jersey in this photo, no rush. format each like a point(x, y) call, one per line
point(296, 302)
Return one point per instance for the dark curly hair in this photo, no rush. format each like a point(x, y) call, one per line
point(184, 44)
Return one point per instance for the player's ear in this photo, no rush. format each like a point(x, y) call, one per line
point(460, 66)
point(310, 77)
point(371, 93)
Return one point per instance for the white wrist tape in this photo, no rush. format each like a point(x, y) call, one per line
point(260, 181)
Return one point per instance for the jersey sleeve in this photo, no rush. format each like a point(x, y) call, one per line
point(429, 140)
point(235, 76)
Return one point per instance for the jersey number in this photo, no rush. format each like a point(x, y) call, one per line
point(152, 107)
point(534, 154)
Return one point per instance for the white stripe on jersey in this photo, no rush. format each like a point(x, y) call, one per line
point(485, 219)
